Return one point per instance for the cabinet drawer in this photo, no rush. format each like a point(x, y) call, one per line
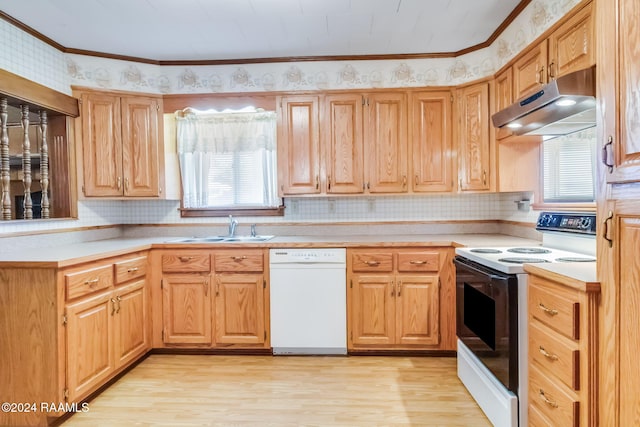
point(372, 262)
point(79, 283)
point(130, 269)
point(550, 351)
point(553, 310)
point(244, 261)
point(185, 262)
point(418, 261)
point(552, 400)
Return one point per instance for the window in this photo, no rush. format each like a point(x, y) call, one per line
point(569, 168)
point(228, 162)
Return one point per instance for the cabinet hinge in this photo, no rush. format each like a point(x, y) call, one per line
point(451, 98)
point(83, 192)
point(352, 336)
point(64, 319)
point(157, 107)
point(351, 283)
point(161, 283)
point(65, 393)
point(265, 335)
point(163, 335)
point(439, 283)
point(264, 284)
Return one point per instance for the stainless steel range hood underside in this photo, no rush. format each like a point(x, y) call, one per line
point(564, 106)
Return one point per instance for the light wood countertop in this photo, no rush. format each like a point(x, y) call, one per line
point(578, 275)
point(63, 256)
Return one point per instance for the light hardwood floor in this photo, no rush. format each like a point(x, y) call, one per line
point(195, 390)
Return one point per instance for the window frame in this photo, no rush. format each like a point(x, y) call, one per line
point(223, 103)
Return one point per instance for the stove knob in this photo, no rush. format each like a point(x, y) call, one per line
point(585, 223)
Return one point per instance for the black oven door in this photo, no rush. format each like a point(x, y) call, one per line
point(487, 318)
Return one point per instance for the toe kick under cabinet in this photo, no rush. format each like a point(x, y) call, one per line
point(67, 330)
point(400, 299)
point(211, 298)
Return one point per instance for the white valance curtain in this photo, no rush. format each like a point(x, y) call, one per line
point(228, 159)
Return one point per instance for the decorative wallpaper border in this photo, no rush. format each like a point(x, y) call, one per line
point(106, 73)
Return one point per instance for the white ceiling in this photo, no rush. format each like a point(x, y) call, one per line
point(243, 29)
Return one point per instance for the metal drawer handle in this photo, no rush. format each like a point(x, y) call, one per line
point(238, 258)
point(132, 270)
point(417, 262)
point(91, 283)
point(546, 354)
point(185, 258)
point(549, 311)
point(372, 263)
point(546, 400)
point(119, 301)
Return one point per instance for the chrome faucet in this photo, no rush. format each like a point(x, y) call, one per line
point(233, 223)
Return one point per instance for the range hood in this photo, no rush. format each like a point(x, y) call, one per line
point(561, 107)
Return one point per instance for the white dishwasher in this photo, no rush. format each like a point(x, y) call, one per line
point(308, 301)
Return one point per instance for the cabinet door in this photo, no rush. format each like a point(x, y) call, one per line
point(89, 347)
point(131, 334)
point(418, 310)
point(627, 145)
point(372, 310)
point(101, 144)
point(240, 309)
point(386, 135)
point(140, 116)
point(299, 145)
point(503, 88)
point(431, 141)
point(473, 137)
point(343, 144)
point(571, 46)
point(186, 309)
point(629, 315)
point(529, 71)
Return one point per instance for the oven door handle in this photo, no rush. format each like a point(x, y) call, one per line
point(463, 264)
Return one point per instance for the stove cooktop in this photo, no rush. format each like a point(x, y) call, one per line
point(510, 260)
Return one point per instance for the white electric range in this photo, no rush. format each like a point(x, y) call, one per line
point(491, 317)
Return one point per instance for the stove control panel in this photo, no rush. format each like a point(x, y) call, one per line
point(582, 223)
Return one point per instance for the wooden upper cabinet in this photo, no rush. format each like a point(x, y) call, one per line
point(102, 144)
point(299, 145)
point(140, 146)
point(343, 143)
point(530, 71)
point(474, 151)
point(503, 89)
point(571, 46)
point(120, 145)
point(385, 124)
point(622, 143)
point(431, 141)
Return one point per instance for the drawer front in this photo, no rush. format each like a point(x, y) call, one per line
point(558, 356)
point(79, 283)
point(557, 312)
point(372, 262)
point(249, 261)
point(418, 261)
point(552, 400)
point(185, 262)
point(130, 269)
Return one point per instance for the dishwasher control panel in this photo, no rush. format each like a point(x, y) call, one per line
point(307, 255)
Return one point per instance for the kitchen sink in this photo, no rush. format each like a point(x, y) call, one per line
point(222, 239)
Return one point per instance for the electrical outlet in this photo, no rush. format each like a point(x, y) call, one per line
point(332, 206)
point(294, 206)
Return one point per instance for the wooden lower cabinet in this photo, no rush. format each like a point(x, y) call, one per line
point(66, 331)
point(186, 309)
point(239, 309)
point(213, 298)
point(389, 308)
point(563, 349)
point(90, 355)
